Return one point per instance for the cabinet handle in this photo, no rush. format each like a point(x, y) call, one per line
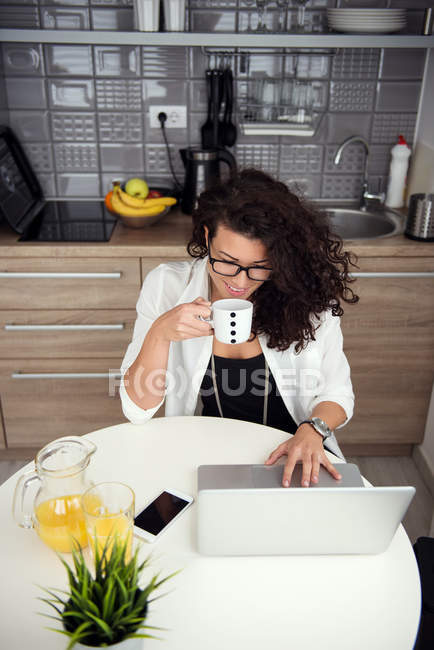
point(31, 328)
point(394, 274)
point(105, 276)
point(65, 375)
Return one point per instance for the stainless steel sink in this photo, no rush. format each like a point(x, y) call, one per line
point(352, 223)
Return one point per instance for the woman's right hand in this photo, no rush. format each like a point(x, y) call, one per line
point(182, 321)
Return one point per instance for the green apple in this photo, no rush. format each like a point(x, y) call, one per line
point(137, 187)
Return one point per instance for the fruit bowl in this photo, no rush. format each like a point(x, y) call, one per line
point(142, 222)
point(139, 213)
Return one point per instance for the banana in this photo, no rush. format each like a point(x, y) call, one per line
point(161, 200)
point(134, 202)
point(131, 201)
point(128, 211)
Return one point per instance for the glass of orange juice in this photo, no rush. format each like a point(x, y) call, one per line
point(109, 514)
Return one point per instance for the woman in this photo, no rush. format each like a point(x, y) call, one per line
point(252, 239)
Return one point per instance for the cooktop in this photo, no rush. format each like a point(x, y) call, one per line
point(35, 218)
point(71, 221)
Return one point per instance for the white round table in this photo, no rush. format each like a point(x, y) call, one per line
point(215, 603)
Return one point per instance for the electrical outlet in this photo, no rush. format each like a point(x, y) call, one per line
point(176, 117)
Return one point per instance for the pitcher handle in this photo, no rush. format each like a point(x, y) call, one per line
point(22, 514)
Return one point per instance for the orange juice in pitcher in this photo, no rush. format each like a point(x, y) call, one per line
point(56, 512)
point(60, 519)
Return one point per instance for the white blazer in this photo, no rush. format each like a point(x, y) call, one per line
point(318, 373)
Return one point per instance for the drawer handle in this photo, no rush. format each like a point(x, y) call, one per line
point(65, 375)
point(105, 276)
point(31, 328)
point(393, 274)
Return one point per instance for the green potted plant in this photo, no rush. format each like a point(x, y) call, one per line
point(108, 608)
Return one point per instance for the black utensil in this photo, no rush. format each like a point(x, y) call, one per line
point(207, 127)
point(229, 128)
point(215, 106)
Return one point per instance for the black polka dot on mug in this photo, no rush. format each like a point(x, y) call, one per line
point(233, 314)
point(233, 341)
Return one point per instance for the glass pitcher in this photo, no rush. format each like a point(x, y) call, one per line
point(56, 511)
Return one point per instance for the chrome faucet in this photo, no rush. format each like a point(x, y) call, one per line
point(366, 195)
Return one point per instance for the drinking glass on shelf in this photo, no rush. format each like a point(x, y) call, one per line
point(249, 15)
point(109, 513)
point(146, 15)
point(301, 14)
point(283, 14)
point(262, 12)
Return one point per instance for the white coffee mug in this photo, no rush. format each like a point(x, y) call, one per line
point(231, 320)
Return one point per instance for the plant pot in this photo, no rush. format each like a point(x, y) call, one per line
point(128, 644)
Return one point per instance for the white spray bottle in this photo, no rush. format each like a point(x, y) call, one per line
point(398, 174)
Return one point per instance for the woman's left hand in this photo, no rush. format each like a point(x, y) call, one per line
point(305, 446)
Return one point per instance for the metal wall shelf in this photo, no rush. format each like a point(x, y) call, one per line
point(231, 41)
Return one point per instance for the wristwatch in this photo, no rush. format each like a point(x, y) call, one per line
point(320, 427)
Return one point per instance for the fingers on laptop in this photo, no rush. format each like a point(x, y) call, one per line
point(333, 471)
point(281, 450)
point(287, 472)
point(310, 472)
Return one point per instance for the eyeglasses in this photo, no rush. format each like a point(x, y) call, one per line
point(256, 273)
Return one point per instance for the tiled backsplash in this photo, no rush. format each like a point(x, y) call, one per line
point(81, 111)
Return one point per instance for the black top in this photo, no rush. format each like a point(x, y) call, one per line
point(240, 385)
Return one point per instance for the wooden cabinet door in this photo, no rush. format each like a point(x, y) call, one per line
point(67, 334)
point(69, 283)
point(46, 399)
point(389, 343)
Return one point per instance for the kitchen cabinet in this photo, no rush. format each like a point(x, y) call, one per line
point(65, 326)
point(388, 335)
point(77, 283)
point(65, 333)
point(389, 343)
point(47, 399)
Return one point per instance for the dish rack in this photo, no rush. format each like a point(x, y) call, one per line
point(286, 108)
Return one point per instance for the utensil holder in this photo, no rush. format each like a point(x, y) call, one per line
point(420, 220)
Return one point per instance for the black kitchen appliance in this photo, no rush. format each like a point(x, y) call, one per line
point(23, 206)
point(202, 171)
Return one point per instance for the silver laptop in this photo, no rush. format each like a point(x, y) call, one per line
point(244, 510)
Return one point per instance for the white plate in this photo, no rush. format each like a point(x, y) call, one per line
point(366, 12)
point(368, 20)
point(365, 30)
point(373, 23)
point(366, 17)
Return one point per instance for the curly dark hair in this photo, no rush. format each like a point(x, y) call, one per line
point(310, 268)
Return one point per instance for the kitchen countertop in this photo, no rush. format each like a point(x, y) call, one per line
point(169, 238)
